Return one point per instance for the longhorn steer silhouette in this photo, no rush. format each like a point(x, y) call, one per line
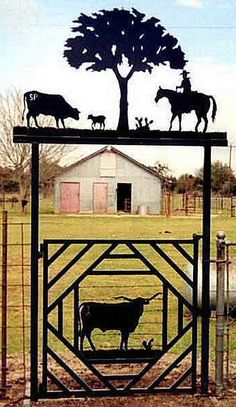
point(123, 317)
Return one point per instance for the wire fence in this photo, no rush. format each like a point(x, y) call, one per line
point(15, 302)
point(230, 300)
point(189, 204)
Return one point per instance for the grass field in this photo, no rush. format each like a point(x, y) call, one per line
point(93, 227)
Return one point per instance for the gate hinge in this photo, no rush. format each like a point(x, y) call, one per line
point(41, 250)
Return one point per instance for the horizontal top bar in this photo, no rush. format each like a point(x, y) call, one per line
point(120, 241)
point(51, 135)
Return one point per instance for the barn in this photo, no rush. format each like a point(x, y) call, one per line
point(108, 181)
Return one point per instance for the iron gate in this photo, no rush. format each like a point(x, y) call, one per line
point(162, 349)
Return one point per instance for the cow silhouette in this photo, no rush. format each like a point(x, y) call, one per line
point(48, 105)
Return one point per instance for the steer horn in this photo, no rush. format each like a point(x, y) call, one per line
point(121, 297)
point(153, 296)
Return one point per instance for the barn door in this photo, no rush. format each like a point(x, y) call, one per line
point(124, 197)
point(100, 197)
point(70, 197)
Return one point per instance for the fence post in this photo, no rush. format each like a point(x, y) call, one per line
point(4, 305)
point(232, 206)
point(167, 204)
point(227, 328)
point(220, 318)
point(186, 203)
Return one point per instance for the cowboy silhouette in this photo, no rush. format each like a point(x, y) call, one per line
point(185, 84)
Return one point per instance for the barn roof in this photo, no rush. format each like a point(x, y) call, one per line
point(118, 152)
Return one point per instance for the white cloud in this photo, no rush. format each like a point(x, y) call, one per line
point(190, 3)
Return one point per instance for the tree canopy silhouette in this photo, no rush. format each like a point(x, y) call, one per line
point(108, 38)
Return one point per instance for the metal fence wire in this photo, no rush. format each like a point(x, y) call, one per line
point(15, 302)
point(230, 301)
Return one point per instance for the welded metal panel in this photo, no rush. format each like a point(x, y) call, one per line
point(79, 297)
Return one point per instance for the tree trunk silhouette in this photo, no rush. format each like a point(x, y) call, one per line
point(123, 123)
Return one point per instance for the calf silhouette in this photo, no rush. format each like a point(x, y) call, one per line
point(97, 120)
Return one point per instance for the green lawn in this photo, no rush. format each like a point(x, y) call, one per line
point(100, 288)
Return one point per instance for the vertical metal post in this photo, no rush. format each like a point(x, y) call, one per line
point(45, 328)
point(34, 269)
point(227, 327)
point(196, 239)
point(23, 301)
point(4, 305)
point(206, 269)
point(220, 318)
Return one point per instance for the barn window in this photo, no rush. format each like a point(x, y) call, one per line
point(108, 165)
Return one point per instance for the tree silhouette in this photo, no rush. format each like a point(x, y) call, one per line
point(110, 37)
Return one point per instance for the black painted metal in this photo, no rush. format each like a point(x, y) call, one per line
point(49, 105)
point(206, 269)
point(153, 137)
point(34, 269)
point(180, 103)
point(195, 316)
point(53, 383)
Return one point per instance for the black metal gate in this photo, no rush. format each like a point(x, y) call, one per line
point(162, 348)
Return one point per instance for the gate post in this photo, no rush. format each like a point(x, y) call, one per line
point(34, 270)
point(206, 243)
point(4, 304)
point(220, 319)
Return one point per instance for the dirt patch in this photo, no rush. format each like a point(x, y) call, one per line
point(158, 400)
point(18, 388)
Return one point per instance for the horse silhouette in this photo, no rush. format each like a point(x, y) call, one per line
point(185, 103)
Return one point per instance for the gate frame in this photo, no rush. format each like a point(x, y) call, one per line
point(35, 136)
point(167, 287)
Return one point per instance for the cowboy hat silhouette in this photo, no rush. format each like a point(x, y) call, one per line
point(184, 73)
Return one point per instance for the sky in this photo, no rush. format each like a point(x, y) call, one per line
point(32, 38)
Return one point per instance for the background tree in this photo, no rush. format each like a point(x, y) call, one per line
point(223, 180)
point(48, 171)
point(17, 157)
point(167, 180)
point(7, 183)
point(108, 38)
point(186, 183)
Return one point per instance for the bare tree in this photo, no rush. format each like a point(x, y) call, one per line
point(17, 156)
